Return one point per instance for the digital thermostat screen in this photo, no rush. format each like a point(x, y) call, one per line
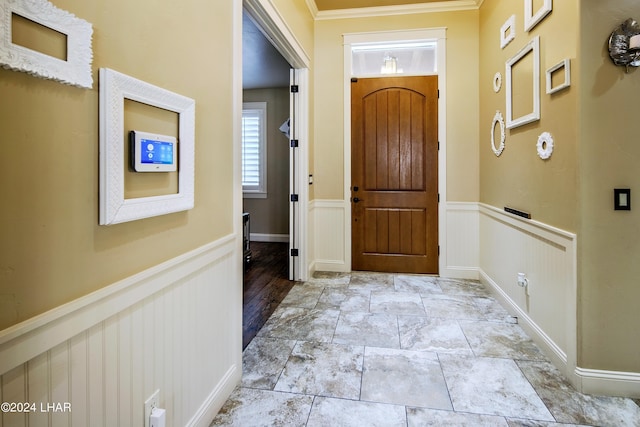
point(156, 152)
point(153, 153)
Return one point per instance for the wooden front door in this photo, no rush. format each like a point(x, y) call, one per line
point(394, 174)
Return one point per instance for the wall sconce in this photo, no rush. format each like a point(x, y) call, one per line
point(624, 44)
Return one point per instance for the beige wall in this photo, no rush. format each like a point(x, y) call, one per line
point(271, 215)
point(519, 178)
point(462, 98)
point(609, 156)
point(52, 249)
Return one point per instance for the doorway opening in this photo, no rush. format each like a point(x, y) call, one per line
point(275, 195)
point(386, 54)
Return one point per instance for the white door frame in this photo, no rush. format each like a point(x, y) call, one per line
point(271, 23)
point(427, 34)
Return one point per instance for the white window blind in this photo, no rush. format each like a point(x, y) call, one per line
point(254, 147)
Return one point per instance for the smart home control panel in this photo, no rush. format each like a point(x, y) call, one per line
point(151, 152)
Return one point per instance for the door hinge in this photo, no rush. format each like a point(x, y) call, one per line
point(438, 250)
point(354, 80)
point(438, 145)
point(294, 88)
point(295, 252)
point(438, 93)
point(294, 197)
point(438, 197)
point(294, 143)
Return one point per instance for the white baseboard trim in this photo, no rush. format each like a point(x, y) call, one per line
point(330, 265)
point(453, 272)
point(609, 383)
point(550, 348)
point(211, 406)
point(261, 237)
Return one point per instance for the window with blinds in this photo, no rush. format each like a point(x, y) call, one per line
point(254, 149)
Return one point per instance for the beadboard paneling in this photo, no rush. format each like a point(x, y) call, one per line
point(511, 245)
point(459, 258)
point(176, 327)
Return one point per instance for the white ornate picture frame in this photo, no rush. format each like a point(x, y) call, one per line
point(508, 31)
point(531, 18)
point(76, 70)
point(114, 208)
point(544, 146)
point(534, 47)
point(497, 120)
point(566, 64)
point(497, 82)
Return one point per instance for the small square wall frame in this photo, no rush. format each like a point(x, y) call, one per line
point(532, 19)
point(534, 47)
point(114, 208)
point(566, 64)
point(75, 70)
point(508, 31)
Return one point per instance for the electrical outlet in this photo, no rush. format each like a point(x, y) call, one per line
point(152, 402)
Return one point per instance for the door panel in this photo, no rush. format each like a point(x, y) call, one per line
point(394, 174)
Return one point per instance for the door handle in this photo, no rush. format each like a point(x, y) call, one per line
point(356, 200)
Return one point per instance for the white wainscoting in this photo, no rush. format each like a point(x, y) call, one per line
point(176, 327)
point(460, 246)
point(330, 237)
point(511, 245)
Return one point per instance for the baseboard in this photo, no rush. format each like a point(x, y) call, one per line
point(609, 383)
point(453, 272)
point(330, 265)
point(260, 237)
point(548, 346)
point(211, 406)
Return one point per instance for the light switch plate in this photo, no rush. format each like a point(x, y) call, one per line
point(622, 199)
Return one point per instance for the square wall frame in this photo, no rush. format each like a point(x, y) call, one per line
point(115, 87)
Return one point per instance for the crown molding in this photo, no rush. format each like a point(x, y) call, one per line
point(408, 9)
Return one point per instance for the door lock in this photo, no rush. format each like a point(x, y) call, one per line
point(356, 200)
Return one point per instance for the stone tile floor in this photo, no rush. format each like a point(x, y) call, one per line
point(371, 349)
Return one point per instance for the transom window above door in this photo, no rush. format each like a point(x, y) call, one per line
point(406, 58)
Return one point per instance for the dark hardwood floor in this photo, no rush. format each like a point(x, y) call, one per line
point(266, 283)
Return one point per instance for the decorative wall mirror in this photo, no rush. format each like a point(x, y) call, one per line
point(533, 114)
point(624, 44)
point(74, 70)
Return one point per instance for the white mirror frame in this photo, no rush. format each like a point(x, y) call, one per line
point(76, 70)
point(508, 31)
point(532, 19)
point(114, 208)
point(534, 47)
point(566, 64)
